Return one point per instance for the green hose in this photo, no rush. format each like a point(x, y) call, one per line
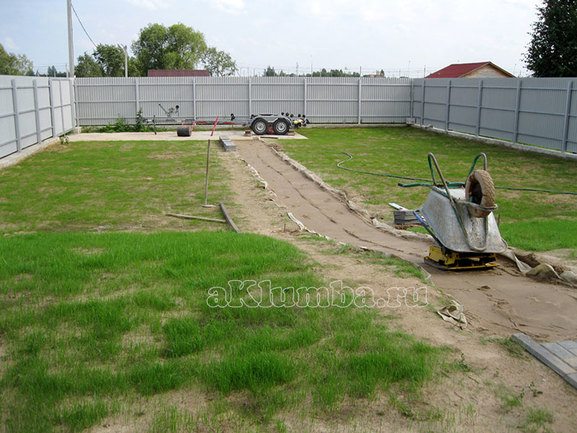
point(426, 182)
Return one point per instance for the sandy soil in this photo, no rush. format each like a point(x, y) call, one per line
point(500, 300)
point(468, 402)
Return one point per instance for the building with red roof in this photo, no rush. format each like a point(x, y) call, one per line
point(471, 70)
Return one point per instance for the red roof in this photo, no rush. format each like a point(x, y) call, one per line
point(457, 70)
point(178, 73)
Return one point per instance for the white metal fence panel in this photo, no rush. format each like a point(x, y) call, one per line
point(33, 109)
point(537, 111)
point(323, 100)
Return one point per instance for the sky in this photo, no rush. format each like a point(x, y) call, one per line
point(401, 37)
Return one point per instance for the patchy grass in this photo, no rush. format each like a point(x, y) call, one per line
point(93, 321)
point(110, 186)
point(533, 221)
point(537, 420)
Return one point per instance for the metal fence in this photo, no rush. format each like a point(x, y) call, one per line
point(537, 111)
point(323, 100)
point(32, 110)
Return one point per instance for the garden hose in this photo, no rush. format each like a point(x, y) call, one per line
point(418, 181)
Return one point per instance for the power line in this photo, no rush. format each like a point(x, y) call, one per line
point(83, 28)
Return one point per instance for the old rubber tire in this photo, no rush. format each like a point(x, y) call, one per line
point(183, 131)
point(480, 190)
point(259, 126)
point(280, 127)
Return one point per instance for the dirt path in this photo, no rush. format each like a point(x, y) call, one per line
point(472, 401)
point(501, 299)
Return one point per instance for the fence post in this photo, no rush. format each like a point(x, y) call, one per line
point(479, 107)
point(61, 106)
point(249, 97)
point(52, 109)
point(37, 112)
point(411, 99)
point(16, 116)
point(517, 110)
point(194, 99)
point(423, 103)
point(360, 103)
point(305, 97)
point(448, 106)
point(567, 113)
point(73, 107)
point(137, 94)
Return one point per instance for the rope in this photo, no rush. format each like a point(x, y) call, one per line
point(426, 182)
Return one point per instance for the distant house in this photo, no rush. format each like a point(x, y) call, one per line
point(178, 73)
point(471, 70)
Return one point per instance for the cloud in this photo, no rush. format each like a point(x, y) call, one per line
point(9, 43)
point(230, 6)
point(150, 4)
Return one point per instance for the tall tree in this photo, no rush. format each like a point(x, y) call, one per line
point(111, 60)
point(88, 67)
point(14, 64)
point(218, 63)
point(175, 47)
point(553, 48)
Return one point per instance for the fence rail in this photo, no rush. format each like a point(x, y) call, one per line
point(323, 100)
point(536, 111)
point(32, 110)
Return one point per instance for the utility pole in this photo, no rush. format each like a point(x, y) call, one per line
point(70, 38)
point(125, 49)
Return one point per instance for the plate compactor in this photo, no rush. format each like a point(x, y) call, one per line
point(459, 216)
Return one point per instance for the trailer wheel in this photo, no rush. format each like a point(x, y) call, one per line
point(183, 131)
point(480, 190)
point(259, 126)
point(280, 127)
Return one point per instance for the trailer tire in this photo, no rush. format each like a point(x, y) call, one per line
point(259, 126)
point(280, 127)
point(480, 190)
point(183, 131)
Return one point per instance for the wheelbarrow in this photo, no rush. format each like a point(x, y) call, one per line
point(460, 217)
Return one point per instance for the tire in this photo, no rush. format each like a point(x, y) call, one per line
point(183, 131)
point(259, 126)
point(280, 127)
point(480, 190)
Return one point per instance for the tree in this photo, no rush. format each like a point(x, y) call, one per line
point(218, 63)
point(53, 72)
point(111, 59)
point(269, 72)
point(14, 64)
point(552, 51)
point(88, 67)
point(175, 47)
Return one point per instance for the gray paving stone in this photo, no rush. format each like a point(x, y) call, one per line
point(547, 354)
point(569, 345)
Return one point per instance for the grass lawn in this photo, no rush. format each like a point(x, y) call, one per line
point(99, 325)
point(533, 221)
point(110, 186)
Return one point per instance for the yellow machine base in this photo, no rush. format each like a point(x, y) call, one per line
point(454, 261)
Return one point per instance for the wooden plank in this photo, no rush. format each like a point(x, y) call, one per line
point(228, 218)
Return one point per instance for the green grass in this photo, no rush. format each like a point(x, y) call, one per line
point(531, 221)
point(537, 420)
point(109, 186)
point(92, 320)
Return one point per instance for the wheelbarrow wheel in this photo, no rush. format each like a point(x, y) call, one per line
point(480, 190)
